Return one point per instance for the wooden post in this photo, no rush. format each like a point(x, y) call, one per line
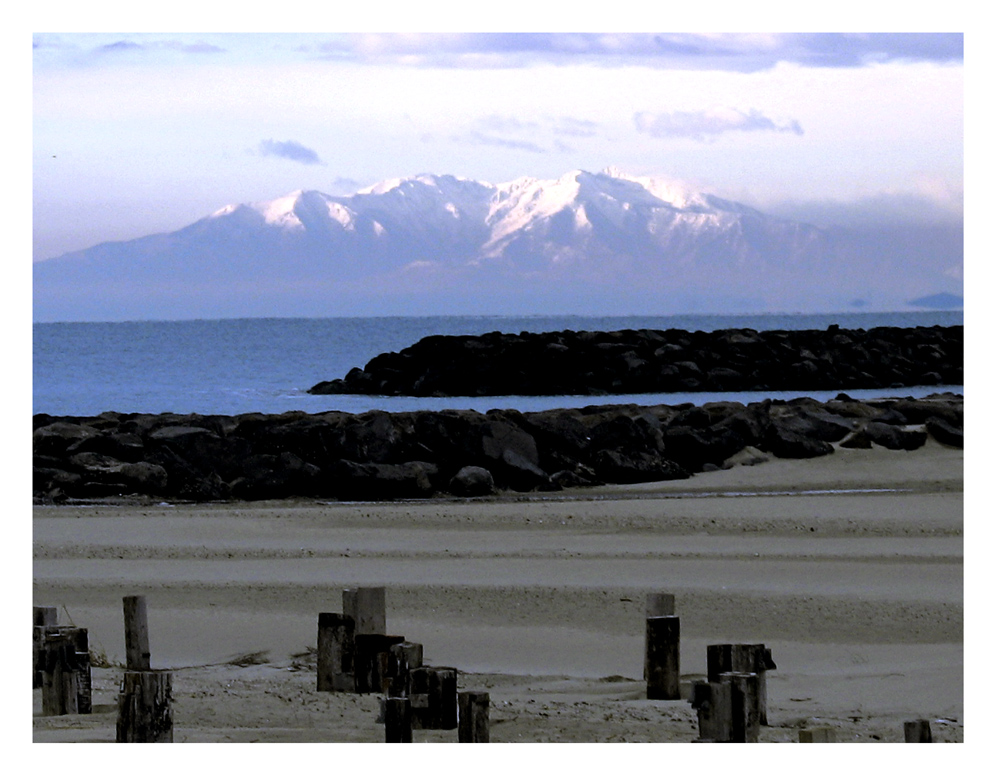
point(59, 675)
point(79, 639)
point(136, 633)
point(398, 722)
point(714, 703)
point(367, 607)
point(917, 731)
point(662, 666)
point(818, 735)
point(746, 658)
point(371, 661)
point(335, 653)
point(403, 658)
point(144, 712)
point(746, 717)
point(42, 617)
point(473, 717)
point(658, 605)
point(434, 698)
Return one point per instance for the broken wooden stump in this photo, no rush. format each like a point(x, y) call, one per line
point(371, 661)
point(403, 658)
point(662, 660)
point(473, 716)
point(917, 731)
point(41, 617)
point(746, 658)
point(434, 698)
point(144, 710)
point(335, 653)
point(714, 703)
point(64, 664)
point(367, 607)
point(398, 721)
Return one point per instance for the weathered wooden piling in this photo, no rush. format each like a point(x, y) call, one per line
point(662, 661)
point(367, 607)
point(746, 658)
point(818, 735)
point(136, 633)
point(744, 689)
point(434, 698)
point(335, 653)
point(371, 661)
point(144, 710)
point(64, 664)
point(473, 716)
point(398, 721)
point(41, 617)
point(658, 605)
point(917, 731)
point(403, 658)
point(714, 703)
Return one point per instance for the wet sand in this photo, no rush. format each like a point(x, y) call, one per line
point(849, 567)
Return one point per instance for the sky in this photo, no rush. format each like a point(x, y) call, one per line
point(141, 132)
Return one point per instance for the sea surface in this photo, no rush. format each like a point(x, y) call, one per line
point(266, 365)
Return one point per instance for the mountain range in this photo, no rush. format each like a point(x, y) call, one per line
point(586, 243)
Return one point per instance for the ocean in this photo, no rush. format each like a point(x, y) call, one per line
point(267, 365)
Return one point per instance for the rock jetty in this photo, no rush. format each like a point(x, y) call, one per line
point(666, 361)
point(382, 456)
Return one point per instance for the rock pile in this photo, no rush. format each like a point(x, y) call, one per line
point(669, 361)
point(381, 456)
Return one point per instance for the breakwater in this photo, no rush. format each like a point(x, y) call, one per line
point(382, 456)
point(661, 361)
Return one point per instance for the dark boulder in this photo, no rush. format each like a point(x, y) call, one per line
point(472, 481)
point(895, 437)
point(381, 481)
point(944, 433)
point(782, 442)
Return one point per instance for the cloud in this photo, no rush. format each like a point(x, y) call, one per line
point(707, 124)
point(488, 140)
point(739, 52)
point(289, 150)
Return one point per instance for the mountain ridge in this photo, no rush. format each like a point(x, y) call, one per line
point(625, 241)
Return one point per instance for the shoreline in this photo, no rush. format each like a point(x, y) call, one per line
point(859, 595)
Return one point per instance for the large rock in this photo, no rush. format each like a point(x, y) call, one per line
point(381, 481)
point(472, 481)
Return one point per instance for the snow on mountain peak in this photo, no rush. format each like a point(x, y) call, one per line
point(281, 211)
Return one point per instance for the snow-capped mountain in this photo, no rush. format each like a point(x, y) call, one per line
point(428, 241)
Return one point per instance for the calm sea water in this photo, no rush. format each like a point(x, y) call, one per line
point(267, 365)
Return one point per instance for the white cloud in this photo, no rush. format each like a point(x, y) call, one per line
point(706, 124)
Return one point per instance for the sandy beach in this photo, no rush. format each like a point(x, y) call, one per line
point(849, 567)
